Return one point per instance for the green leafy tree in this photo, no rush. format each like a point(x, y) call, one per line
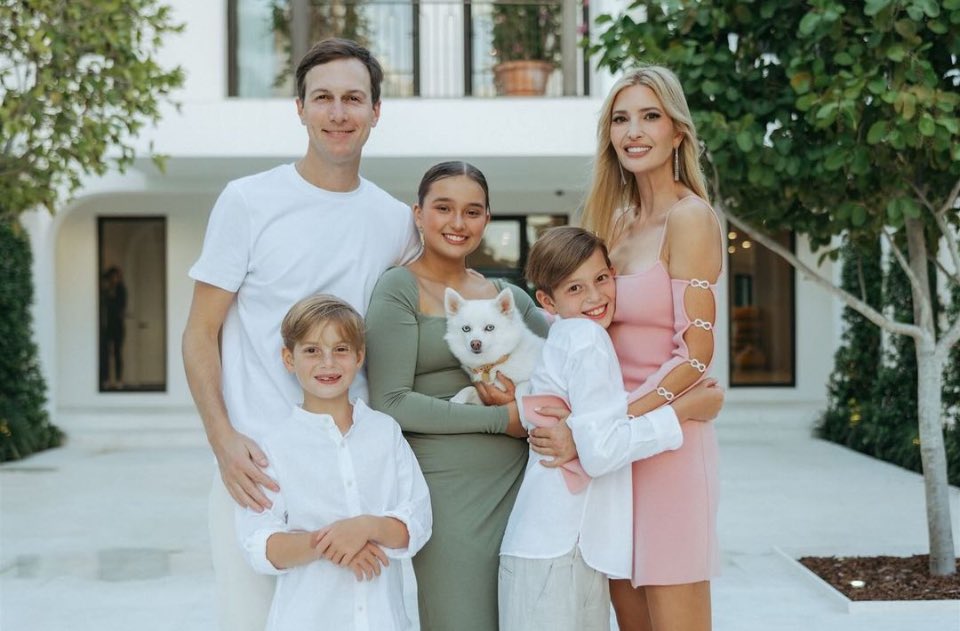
point(78, 82)
point(830, 118)
point(849, 403)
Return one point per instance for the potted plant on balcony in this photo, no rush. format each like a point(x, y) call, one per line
point(526, 42)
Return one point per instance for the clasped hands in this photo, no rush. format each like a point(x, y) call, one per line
point(347, 543)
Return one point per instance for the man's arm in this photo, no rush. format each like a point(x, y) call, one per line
point(239, 458)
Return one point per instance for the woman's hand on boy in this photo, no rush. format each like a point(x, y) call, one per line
point(701, 403)
point(554, 442)
point(241, 465)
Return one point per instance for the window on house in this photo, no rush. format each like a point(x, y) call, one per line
point(762, 313)
point(267, 36)
point(506, 243)
point(132, 319)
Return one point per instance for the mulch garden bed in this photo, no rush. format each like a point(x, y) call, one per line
point(884, 577)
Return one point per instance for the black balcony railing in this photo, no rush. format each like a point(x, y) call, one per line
point(427, 49)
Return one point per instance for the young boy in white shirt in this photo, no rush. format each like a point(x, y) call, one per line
point(563, 540)
point(351, 491)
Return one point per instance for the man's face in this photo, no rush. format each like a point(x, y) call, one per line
point(337, 110)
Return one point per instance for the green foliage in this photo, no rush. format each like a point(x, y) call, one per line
point(527, 30)
point(822, 117)
point(853, 381)
point(874, 410)
point(24, 425)
point(78, 82)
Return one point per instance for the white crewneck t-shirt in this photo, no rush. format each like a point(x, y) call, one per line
point(274, 238)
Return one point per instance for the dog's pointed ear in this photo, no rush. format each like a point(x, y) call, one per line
point(452, 301)
point(505, 301)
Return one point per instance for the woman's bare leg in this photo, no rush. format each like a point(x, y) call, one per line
point(630, 605)
point(679, 607)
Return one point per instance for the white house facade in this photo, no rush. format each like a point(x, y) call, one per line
point(776, 332)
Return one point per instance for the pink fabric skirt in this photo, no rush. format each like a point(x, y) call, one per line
point(675, 512)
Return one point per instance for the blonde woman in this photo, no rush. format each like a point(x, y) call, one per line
point(649, 201)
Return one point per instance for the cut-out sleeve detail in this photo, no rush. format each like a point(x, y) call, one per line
point(694, 303)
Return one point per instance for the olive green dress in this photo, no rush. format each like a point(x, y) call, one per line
point(473, 469)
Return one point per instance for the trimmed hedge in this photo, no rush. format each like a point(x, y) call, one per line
point(24, 424)
point(872, 400)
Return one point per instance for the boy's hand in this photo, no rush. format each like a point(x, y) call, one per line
point(701, 403)
point(555, 442)
point(366, 565)
point(241, 461)
point(342, 540)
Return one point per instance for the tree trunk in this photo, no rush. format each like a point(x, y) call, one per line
point(929, 403)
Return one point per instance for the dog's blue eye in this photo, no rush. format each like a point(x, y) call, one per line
point(489, 327)
point(466, 328)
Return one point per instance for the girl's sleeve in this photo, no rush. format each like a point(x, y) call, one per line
point(694, 270)
point(393, 339)
point(253, 529)
point(413, 500)
point(532, 315)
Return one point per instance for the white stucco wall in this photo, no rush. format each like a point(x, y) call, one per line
point(536, 153)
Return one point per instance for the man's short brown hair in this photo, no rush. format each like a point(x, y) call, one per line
point(558, 253)
point(319, 309)
point(332, 49)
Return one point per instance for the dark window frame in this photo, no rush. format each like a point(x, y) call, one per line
point(102, 220)
point(792, 382)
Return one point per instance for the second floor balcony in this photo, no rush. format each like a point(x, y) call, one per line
point(430, 49)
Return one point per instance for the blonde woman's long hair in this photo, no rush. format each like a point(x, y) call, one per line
point(609, 197)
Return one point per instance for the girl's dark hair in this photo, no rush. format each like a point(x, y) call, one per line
point(452, 169)
point(332, 49)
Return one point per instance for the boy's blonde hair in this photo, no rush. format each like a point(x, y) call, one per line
point(558, 253)
point(318, 309)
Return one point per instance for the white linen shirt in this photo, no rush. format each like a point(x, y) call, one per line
point(325, 476)
point(274, 238)
point(578, 363)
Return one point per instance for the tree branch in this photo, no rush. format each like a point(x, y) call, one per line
point(948, 340)
point(905, 266)
point(947, 230)
point(861, 307)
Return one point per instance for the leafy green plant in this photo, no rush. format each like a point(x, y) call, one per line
point(78, 81)
point(527, 31)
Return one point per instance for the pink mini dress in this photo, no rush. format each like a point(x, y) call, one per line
point(674, 493)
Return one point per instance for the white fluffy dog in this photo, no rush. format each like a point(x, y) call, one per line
point(489, 337)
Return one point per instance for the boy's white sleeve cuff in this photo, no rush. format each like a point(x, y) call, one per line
point(255, 547)
point(417, 534)
point(666, 426)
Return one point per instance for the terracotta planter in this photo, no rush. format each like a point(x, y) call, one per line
point(522, 78)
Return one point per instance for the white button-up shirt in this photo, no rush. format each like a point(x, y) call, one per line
point(579, 364)
point(325, 476)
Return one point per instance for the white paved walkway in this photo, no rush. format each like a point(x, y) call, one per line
point(107, 534)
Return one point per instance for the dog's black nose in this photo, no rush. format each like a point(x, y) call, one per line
point(475, 346)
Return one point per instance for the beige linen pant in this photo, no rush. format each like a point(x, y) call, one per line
point(243, 596)
point(559, 594)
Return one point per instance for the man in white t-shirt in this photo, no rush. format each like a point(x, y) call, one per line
point(273, 238)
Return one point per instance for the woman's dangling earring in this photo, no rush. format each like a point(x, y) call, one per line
point(676, 164)
point(623, 177)
point(420, 232)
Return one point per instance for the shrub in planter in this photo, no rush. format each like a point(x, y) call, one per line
point(24, 424)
